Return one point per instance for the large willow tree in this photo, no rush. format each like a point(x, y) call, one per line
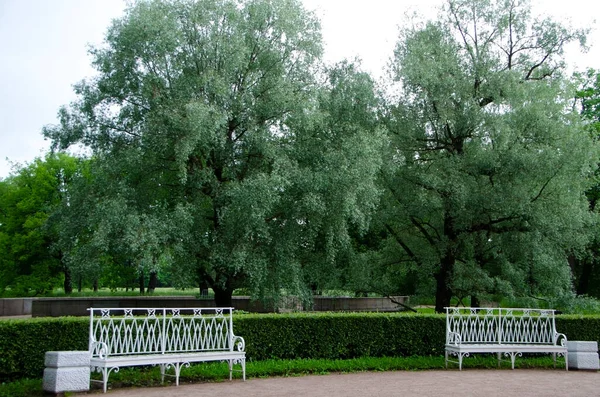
point(217, 151)
point(490, 162)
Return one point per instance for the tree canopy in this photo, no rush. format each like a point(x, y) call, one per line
point(489, 160)
point(224, 153)
point(202, 120)
point(29, 262)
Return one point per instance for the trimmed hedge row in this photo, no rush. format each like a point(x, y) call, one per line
point(23, 343)
point(340, 336)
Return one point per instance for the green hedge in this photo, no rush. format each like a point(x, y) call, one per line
point(270, 336)
point(579, 327)
point(23, 343)
point(340, 336)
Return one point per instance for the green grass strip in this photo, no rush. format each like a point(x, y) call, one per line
point(218, 372)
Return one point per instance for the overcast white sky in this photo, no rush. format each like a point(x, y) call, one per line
point(43, 52)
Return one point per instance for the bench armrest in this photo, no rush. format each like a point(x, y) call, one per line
point(99, 349)
point(454, 338)
point(560, 337)
point(238, 343)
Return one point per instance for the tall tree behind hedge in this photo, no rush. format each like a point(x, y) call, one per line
point(29, 264)
point(586, 268)
point(190, 121)
point(490, 162)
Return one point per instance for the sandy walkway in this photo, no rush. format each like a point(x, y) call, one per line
point(471, 382)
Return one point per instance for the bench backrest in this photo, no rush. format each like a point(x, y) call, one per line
point(127, 331)
point(500, 326)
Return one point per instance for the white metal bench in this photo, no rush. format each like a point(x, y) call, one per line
point(170, 338)
point(508, 332)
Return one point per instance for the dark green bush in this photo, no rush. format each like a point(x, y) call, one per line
point(270, 336)
point(23, 343)
point(340, 336)
point(579, 327)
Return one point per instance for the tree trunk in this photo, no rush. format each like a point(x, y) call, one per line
point(79, 284)
point(141, 283)
point(203, 287)
point(68, 284)
point(222, 296)
point(583, 285)
point(475, 301)
point(96, 285)
point(315, 290)
point(443, 294)
point(152, 282)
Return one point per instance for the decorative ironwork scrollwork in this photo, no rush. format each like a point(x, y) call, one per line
point(99, 349)
point(239, 343)
point(562, 337)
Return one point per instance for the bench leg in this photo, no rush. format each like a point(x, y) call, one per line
point(242, 362)
point(513, 355)
point(446, 358)
point(565, 355)
point(162, 373)
point(499, 355)
point(177, 367)
point(105, 374)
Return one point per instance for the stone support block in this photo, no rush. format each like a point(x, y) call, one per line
point(60, 380)
point(584, 361)
point(67, 359)
point(581, 346)
point(67, 371)
point(583, 355)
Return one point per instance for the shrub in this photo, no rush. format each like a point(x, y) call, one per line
point(23, 343)
point(579, 327)
point(340, 336)
point(330, 336)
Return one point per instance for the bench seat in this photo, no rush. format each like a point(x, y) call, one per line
point(497, 348)
point(171, 358)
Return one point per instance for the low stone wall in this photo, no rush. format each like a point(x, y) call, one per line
point(324, 304)
point(15, 306)
point(56, 307)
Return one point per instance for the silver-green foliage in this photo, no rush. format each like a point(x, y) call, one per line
point(221, 150)
point(489, 161)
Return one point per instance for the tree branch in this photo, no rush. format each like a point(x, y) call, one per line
point(545, 185)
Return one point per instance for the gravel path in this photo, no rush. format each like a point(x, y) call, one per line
point(472, 382)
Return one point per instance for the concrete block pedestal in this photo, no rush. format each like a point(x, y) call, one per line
point(583, 355)
point(67, 371)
